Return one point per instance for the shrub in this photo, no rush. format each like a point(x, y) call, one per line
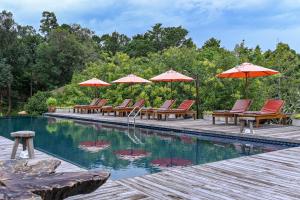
point(296, 116)
point(51, 102)
point(37, 104)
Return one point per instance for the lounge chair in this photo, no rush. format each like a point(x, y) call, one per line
point(126, 110)
point(271, 110)
point(77, 108)
point(95, 108)
point(182, 110)
point(240, 106)
point(109, 109)
point(150, 111)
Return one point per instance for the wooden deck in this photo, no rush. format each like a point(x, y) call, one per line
point(268, 132)
point(268, 176)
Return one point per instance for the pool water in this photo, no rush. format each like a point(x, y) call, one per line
point(126, 152)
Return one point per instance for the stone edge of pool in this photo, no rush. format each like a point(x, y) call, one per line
point(209, 133)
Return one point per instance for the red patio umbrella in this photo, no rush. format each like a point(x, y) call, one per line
point(94, 146)
point(171, 76)
point(247, 70)
point(94, 82)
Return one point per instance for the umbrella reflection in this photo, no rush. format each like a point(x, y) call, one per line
point(94, 146)
point(131, 154)
point(170, 162)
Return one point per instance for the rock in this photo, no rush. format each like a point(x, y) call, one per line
point(22, 180)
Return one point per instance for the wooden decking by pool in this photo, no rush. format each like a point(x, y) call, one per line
point(272, 176)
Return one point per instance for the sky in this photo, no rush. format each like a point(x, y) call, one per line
point(258, 22)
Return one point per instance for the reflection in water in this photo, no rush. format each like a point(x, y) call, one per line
point(125, 152)
point(94, 146)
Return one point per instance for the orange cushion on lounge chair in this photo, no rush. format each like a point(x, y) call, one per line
point(240, 106)
point(272, 106)
point(186, 105)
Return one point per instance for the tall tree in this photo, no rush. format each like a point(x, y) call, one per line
point(113, 43)
point(48, 22)
point(6, 79)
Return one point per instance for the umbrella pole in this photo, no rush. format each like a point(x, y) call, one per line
point(171, 90)
point(246, 86)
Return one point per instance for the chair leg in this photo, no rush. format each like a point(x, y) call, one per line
point(213, 119)
point(257, 123)
point(30, 148)
point(226, 120)
point(15, 148)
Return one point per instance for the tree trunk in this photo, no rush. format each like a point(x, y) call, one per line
point(1, 101)
point(197, 96)
point(9, 99)
point(20, 180)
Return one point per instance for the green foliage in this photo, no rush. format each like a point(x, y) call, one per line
point(37, 104)
point(51, 101)
point(296, 116)
point(61, 56)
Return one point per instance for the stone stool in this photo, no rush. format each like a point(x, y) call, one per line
point(27, 140)
point(246, 120)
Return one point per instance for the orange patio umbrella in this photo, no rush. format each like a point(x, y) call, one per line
point(131, 79)
point(171, 76)
point(246, 71)
point(94, 82)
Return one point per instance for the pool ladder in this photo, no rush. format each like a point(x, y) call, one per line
point(133, 114)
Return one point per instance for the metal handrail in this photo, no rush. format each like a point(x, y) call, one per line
point(134, 117)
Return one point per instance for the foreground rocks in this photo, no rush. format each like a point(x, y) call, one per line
point(20, 180)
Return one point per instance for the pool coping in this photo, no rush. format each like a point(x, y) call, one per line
point(190, 131)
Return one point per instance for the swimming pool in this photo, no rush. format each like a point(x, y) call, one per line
point(126, 152)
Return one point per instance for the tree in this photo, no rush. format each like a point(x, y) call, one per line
point(6, 79)
point(113, 43)
point(48, 22)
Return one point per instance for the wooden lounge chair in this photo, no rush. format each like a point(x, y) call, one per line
point(240, 106)
point(95, 108)
point(109, 109)
point(126, 110)
point(150, 111)
point(182, 110)
point(77, 108)
point(271, 110)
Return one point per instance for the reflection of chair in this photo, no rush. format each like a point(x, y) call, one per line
point(271, 110)
point(182, 110)
point(109, 109)
point(240, 106)
point(77, 108)
point(150, 111)
point(126, 110)
point(95, 108)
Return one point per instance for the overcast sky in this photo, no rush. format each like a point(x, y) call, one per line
point(263, 22)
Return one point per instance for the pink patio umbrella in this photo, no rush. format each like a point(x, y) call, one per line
point(132, 154)
point(246, 71)
point(171, 76)
point(170, 162)
point(94, 82)
point(131, 79)
point(94, 146)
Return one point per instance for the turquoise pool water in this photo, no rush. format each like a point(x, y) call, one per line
point(125, 152)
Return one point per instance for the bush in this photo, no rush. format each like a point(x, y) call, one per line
point(296, 116)
point(37, 104)
point(51, 102)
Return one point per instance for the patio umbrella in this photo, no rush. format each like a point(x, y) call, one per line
point(131, 154)
point(131, 79)
point(94, 146)
point(171, 76)
point(246, 71)
point(94, 82)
